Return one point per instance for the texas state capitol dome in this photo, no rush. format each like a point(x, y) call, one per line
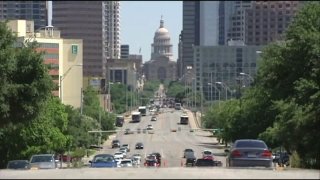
point(161, 43)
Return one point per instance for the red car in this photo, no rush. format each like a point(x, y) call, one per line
point(209, 157)
point(152, 163)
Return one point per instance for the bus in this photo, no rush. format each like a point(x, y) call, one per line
point(119, 121)
point(184, 119)
point(177, 106)
point(136, 116)
point(143, 110)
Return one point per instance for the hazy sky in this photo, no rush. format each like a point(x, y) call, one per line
point(140, 19)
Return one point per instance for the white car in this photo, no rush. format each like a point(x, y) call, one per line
point(149, 127)
point(119, 155)
point(118, 160)
point(126, 163)
point(136, 160)
point(126, 146)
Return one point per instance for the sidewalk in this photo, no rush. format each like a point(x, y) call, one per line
point(192, 119)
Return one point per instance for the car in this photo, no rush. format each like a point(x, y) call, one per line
point(144, 130)
point(103, 160)
point(115, 143)
point(187, 151)
point(206, 153)
point(281, 158)
point(128, 131)
point(118, 160)
point(138, 130)
point(43, 161)
point(151, 163)
point(153, 118)
point(124, 151)
point(119, 155)
point(249, 153)
point(126, 163)
point(126, 146)
point(204, 162)
point(18, 164)
point(139, 145)
point(190, 159)
point(149, 127)
point(136, 160)
point(158, 156)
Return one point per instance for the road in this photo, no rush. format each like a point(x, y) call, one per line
point(171, 146)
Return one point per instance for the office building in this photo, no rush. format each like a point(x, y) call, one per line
point(64, 58)
point(125, 51)
point(223, 64)
point(200, 27)
point(97, 23)
point(25, 10)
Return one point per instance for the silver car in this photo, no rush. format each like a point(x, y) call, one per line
point(249, 153)
point(43, 161)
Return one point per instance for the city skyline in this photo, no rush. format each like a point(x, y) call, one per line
point(137, 30)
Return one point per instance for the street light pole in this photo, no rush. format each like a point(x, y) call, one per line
point(224, 86)
point(61, 77)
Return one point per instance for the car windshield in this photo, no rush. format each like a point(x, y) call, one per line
point(188, 150)
point(207, 152)
point(251, 144)
point(126, 162)
point(36, 159)
point(99, 159)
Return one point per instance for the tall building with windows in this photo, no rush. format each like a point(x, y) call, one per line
point(25, 10)
point(125, 51)
point(97, 23)
point(200, 27)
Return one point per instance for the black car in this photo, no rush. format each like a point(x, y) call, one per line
point(281, 158)
point(115, 143)
point(204, 162)
point(18, 164)
point(158, 156)
point(139, 145)
point(190, 159)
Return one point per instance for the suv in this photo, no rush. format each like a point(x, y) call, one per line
point(190, 159)
point(43, 161)
point(188, 151)
point(115, 143)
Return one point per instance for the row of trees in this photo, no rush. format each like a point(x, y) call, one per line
point(282, 106)
point(32, 120)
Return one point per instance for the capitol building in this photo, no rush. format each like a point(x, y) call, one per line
point(161, 65)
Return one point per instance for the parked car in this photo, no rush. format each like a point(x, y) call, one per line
point(18, 164)
point(139, 145)
point(126, 163)
point(158, 156)
point(126, 146)
point(128, 131)
point(248, 153)
point(115, 143)
point(103, 160)
point(187, 151)
point(43, 161)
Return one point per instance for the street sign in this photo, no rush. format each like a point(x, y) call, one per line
point(74, 49)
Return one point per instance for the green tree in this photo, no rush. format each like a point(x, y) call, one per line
point(25, 83)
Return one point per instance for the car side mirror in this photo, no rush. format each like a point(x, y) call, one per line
point(90, 161)
point(226, 150)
